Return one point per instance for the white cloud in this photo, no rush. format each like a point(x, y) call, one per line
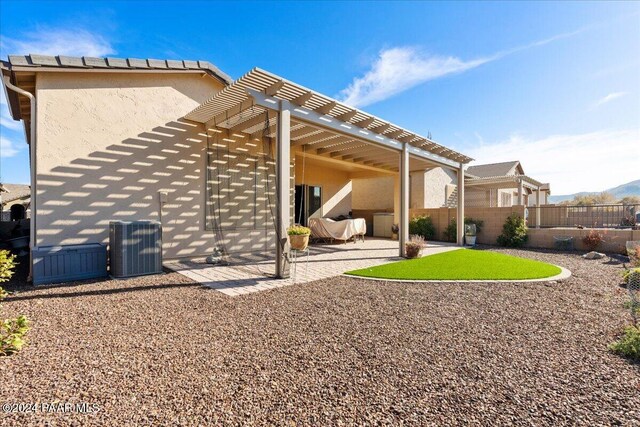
point(609, 98)
point(57, 41)
point(571, 163)
point(7, 148)
point(400, 68)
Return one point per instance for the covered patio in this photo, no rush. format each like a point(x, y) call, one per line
point(304, 126)
point(254, 273)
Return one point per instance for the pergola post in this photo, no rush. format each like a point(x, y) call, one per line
point(283, 220)
point(538, 210)
point(460, 210)
point(520, 192)
point(404, 198)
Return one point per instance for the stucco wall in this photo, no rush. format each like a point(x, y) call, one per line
point(436, 180)
point(373, 193)
point(108, 143)
point(336, 188)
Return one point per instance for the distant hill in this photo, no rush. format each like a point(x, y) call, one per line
point(629, 189)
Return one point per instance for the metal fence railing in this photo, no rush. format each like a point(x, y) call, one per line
point(594, 216)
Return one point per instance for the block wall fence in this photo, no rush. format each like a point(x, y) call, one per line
point(494, 218)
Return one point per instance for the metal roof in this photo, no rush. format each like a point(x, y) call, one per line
point(86, 62)
point(232, 108)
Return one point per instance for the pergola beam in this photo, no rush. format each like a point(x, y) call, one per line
point(254, 121)
point(302, 100)
point(333, 124)
point(315, 138)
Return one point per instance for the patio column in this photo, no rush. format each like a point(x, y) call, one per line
point(538, 210)
point(283, 220)
point(404, 198)
point(520, 192)
point(460, 210)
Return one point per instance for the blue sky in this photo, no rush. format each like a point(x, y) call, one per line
point(555, 85)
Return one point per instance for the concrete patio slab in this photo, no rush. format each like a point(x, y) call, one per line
point(248, 275)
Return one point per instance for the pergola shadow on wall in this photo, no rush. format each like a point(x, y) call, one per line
point(261, 105)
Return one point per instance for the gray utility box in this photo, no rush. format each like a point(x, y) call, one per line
point(135, 248)
point(57, 264)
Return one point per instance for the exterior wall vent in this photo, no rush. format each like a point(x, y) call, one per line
point(135, 248)
point(58, 264)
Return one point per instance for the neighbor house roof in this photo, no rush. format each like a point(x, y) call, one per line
point(14, 192)
point(496, 169)
point(506, 181)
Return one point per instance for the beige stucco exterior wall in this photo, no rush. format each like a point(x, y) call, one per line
point(435, 182)
point(108, 144)
point(336, 187)
point(373, 193)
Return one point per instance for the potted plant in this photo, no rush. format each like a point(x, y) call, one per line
point(470, 232)
point(414, 246)
point(298, 237)
point(395, 229)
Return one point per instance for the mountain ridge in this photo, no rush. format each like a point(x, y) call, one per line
point(631, 188)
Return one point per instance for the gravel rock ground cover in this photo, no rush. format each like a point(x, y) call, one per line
point(164, 351)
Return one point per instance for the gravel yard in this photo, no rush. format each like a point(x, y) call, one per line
point(162, 350)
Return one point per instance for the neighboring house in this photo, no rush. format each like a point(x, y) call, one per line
point(489, 185)
point(179, 142)
point(13, 194)
point(503, 184)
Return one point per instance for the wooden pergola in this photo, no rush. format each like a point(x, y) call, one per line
point(301, 118)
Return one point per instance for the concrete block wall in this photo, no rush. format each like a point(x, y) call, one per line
point(614, 240)
point(493, 218)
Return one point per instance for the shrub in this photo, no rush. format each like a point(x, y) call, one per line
point(514, 232)
point(629, 343)
point(7, 264)
point(414, 246)
point(592, 240)
point(422, 226)
point(451, 231)
point(12, 331)
point(298, 230)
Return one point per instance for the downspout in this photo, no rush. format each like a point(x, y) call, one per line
point(32, 161)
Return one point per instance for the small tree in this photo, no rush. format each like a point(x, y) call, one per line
point(514, 232)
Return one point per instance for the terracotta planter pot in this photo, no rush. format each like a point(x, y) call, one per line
point(299, 242)
point(412, 251)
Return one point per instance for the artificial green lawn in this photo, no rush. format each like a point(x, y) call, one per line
point(462, 264)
